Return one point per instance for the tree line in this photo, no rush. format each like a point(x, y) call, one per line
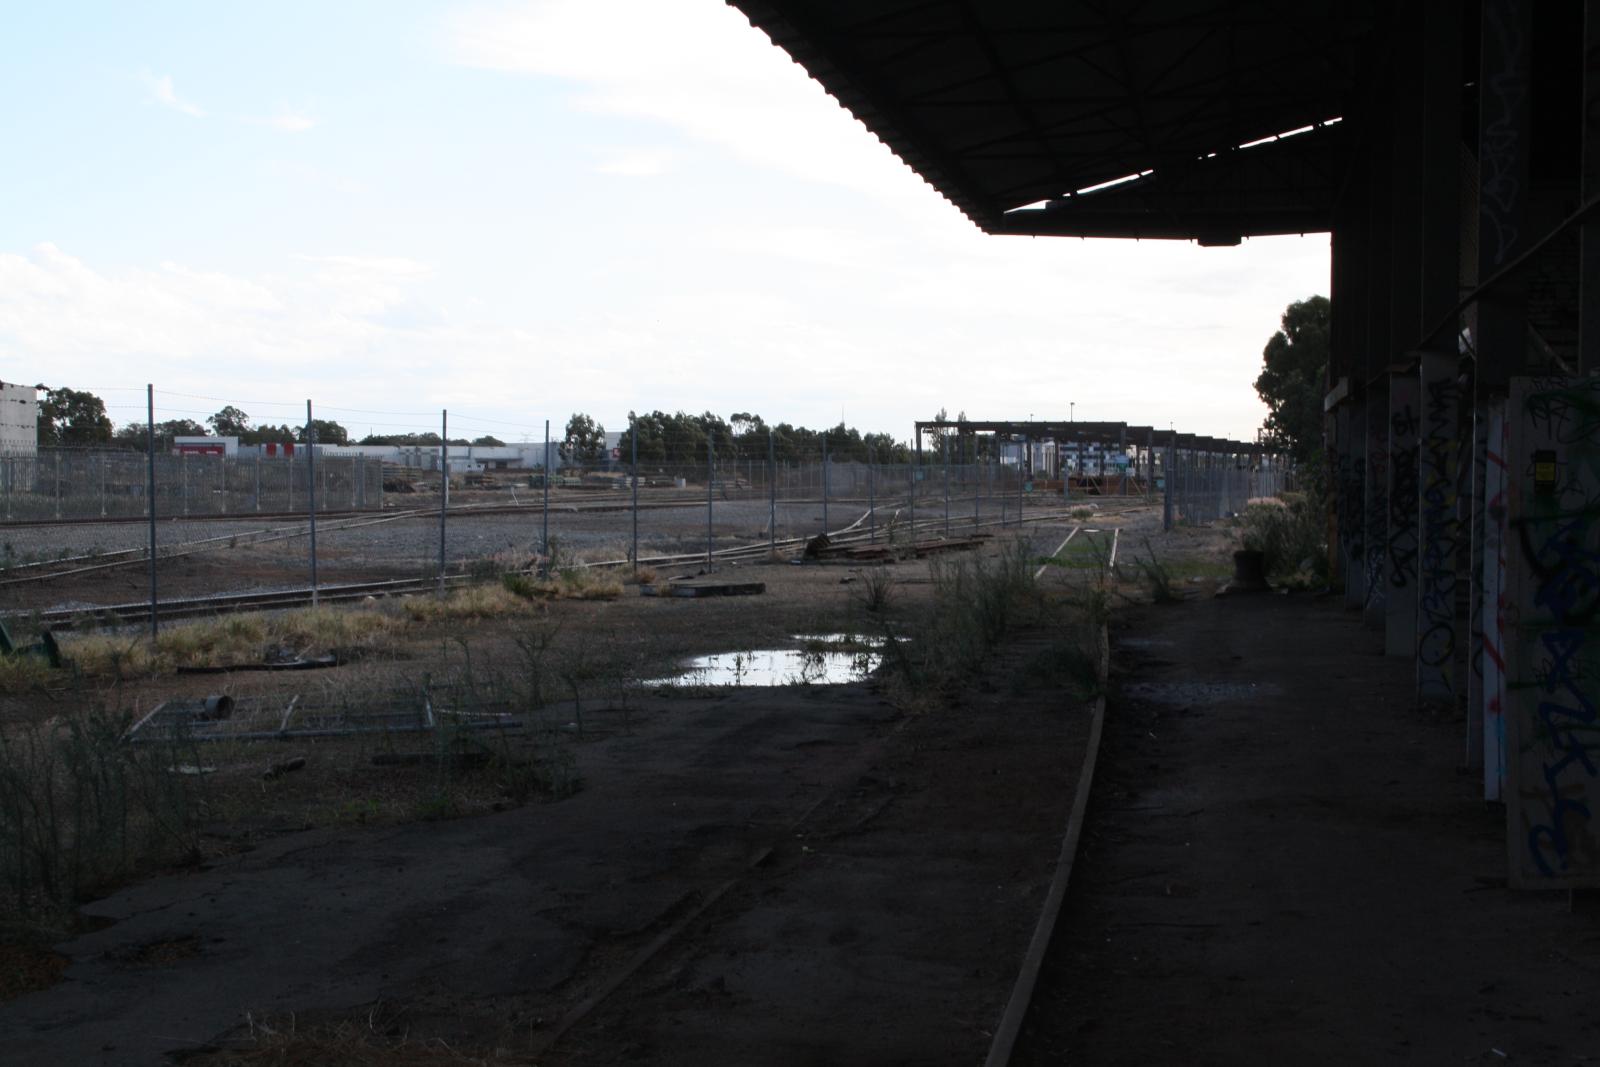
point(76, 418)
point(684, 438)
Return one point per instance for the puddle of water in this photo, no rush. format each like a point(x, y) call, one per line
point(773, 666)
point(841, 642)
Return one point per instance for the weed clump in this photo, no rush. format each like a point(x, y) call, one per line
point(976, 600)
point(1291, 537)
point(79, 809)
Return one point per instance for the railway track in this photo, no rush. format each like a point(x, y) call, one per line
point(859, 531)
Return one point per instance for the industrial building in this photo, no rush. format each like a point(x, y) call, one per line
point(19, 419)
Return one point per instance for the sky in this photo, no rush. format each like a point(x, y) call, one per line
point(519, 211)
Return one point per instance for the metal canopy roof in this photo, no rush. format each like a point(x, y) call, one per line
point(1016, 110)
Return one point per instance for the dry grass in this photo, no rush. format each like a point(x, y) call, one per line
point(473, 602)
point(370, 1042)
point(22, 674)
point(231, 640)
point(572, 583)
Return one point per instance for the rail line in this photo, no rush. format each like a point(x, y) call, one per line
point(1009, 1026)
point(215, 604)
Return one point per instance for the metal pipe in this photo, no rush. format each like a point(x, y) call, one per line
point(772, 496)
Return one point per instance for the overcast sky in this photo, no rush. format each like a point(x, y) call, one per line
point(523, 210)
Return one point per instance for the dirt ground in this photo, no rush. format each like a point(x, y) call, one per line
point(819, 873)
point(837, 881)
point(1283, 863)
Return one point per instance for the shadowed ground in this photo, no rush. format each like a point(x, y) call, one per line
point(1284, 864)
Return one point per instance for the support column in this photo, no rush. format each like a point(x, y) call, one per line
point(1493, 577)
point(1500, 323)
point(1553, 633)
point(1400, 553)
point(1474, 499)
point(1589, 241)
point(1439, 531)
point(1376, 503)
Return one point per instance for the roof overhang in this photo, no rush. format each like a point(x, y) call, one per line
point(1203, 120)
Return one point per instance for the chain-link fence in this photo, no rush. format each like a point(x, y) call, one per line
point(236, 526)
point(1207, 486)
point(71, 484)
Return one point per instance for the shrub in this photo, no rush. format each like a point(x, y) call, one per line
point(876, 589)
point(79, 809)
point(1289, 534)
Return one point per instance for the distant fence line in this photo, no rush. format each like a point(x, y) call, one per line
point(88, 484)
point(78, 484)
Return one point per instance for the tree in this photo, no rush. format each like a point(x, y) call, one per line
point(1294, 377)
point(488, 441)
point(72, 417)
point(230, 422)
point(585, 440)
point(328, 432)
point(136, 435)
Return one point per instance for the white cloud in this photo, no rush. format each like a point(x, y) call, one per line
point(163, 93)
point(287, 121)
point(635, 162)
point(698, 67)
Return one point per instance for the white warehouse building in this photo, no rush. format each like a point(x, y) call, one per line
point(19, 419)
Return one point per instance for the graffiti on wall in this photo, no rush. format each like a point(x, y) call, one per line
point(1553, 639)
point(1438, 531)
point(1494, 603)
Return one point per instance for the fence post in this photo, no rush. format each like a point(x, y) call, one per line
point(1166, 483)
point(104, 460)
point(824, 483)
point(916, 468)
point(150, 496)
point(544, 535)
point(872, 499)
point(1024, 462)
point(311, 495)
point(633, 440)
point(58, 483)
point(711, 478)
point(444, 487)
point(947, 486)
point(975, 480)
point(772, 498)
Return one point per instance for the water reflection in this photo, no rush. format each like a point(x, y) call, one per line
point(776, 666)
